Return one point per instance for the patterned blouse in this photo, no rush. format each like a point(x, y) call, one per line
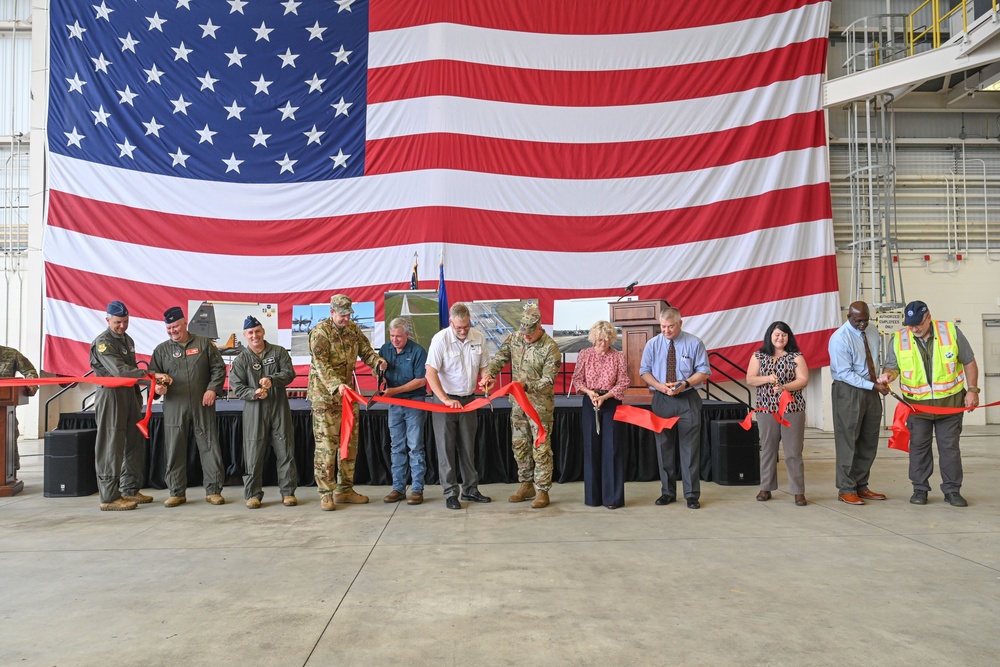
point(601, 371)
point(783, 368)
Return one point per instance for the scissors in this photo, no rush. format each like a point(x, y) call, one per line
point(597, 418)
point(382, 383)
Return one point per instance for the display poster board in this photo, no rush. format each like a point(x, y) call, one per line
point(222, 321)
point(419, 307)
point(498, 319)
point(572, 320)
point(307, 316)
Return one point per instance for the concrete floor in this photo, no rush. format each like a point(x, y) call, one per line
point(737, 582)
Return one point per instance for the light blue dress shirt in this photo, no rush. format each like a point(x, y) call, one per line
point(847, 355)
point(691, 357)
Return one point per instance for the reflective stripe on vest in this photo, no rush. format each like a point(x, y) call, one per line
point(949, 375)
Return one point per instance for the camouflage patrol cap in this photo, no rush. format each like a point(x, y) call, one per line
point(342, 304)
point(529, 320)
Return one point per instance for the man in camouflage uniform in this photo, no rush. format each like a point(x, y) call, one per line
point(259, 375)
point(534, 358)
point(13, 362)
point(335, 345)
point(120, 446)
point(194, 374)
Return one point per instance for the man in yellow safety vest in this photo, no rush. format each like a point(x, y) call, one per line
point(936, 368)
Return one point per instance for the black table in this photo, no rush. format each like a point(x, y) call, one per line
point(494, 458)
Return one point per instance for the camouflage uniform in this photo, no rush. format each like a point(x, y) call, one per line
point(535, 366)
point(195, 366)
point(335, 351)
point(120, 451)
point(271, 416)
point(13, 362)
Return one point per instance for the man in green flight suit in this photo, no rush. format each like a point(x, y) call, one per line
point(120, 447)
point(335, 345)
point(534, 361)
point(259, 375)
point(195, 374)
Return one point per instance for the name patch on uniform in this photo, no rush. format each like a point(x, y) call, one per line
point(269, 360)
point(102, 348)
point(193, 350)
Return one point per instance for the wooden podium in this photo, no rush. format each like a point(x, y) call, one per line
point(10, 398)
point(640, 323)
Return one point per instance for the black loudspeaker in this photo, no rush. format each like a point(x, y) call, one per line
point(69, 463)
point(735, 453)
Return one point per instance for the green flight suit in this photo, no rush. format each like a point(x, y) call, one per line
point(120, 452)
point(270, 417)
point(195, 366)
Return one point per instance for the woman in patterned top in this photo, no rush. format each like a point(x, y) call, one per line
point(602, 374)
point(776, 367)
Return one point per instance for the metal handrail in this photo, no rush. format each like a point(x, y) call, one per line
point(716, 369)
point(60, 393)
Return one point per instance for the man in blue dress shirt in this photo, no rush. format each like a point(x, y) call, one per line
point(674, 365)
point(857, 404)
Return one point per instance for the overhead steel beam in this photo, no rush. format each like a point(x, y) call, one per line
point(979, 47)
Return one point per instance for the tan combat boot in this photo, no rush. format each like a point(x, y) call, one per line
point(289, 501)
point(527, 490)
point(542, 500)
point(326, 503)
point(174, 501)
point(215, 499)
point(351, 497)
point(118, 505)
point(253, 503)
point(138, 497)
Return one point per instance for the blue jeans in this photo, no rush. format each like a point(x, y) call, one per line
point(406, 431)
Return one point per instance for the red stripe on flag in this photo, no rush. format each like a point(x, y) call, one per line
point(442, 224)
point(567, 88)
point(693, 297)
point(592, 161)
point(579, 17)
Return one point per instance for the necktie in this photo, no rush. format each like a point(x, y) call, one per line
point(672, 363)
point(868, 358)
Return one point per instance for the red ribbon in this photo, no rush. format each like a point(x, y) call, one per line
point(643, 418)
point(349, 397)
point(783, 402)
point(142, 424)
point(900, 438)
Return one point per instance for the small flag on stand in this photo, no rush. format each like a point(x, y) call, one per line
point(442, 300)
point(413, 277)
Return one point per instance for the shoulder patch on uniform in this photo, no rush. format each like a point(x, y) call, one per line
point(102, 347)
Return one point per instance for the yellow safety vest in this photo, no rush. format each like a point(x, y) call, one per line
point(949, 374)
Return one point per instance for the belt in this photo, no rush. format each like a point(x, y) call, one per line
point(459, 398)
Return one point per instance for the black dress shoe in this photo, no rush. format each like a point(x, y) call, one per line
point(452, 503)
point(955, 499)
point(693, 504)
point(476, 497)
point(612, 507)
point(918, 498)
point(664, 500)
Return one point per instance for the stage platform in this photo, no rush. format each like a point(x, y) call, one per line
point(493, 454)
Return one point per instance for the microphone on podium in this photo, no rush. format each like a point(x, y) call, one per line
point(628, 290)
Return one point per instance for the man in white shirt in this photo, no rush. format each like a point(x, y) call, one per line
point(455, 359)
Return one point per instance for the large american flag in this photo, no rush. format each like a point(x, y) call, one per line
point(280, 152)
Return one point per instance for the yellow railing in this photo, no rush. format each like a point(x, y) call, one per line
point(933, 27)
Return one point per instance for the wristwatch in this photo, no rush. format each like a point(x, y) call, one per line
point(974, 390)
